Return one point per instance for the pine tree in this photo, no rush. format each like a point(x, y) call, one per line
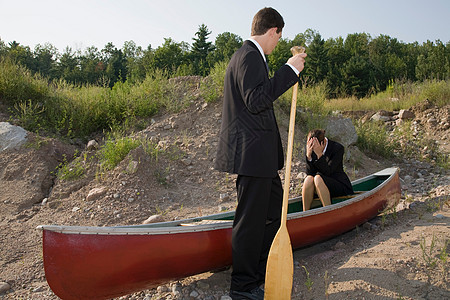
point(317, 67)
point(200, 50)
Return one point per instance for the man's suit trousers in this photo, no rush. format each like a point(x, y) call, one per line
point(257, 220)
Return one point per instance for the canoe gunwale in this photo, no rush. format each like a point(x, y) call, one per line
point(173, 227)
point(134, 230)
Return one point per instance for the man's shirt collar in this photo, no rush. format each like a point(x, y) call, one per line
point(326, 145)
point(259, 48)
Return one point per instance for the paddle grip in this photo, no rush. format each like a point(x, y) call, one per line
point(297, 50)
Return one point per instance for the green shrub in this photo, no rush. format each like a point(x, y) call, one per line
point(29, 115)
point(73, 170)
point(157, 91)
point(115, 150)
point(310, 106)
point(211, 87)
point(399, 95)
point(437, 91)
point(373, 137)
point(18, 85)
point(78, 111)
point(313, 98)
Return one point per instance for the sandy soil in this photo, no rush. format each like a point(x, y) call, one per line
point(402, 254)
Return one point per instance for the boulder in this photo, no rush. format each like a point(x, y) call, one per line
point(154, 219)
point(224, 197)
point(92, 145)
point(132, 167)
point(405, 114)
point(4, 287)
point(11, 137)
point(366, 117)
point(341, 130)
point(96, 193)
point(301, 176)
point(385, 113)
point(380, 117)
point(432, 121)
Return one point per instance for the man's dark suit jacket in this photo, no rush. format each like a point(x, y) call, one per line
point(330, 164)
point(250, 142)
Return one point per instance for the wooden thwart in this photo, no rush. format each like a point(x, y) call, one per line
point(204, 222)
point(316, 203)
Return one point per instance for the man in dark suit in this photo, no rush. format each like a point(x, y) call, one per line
point(324, 169)
point(250, 146)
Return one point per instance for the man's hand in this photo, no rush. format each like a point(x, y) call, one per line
point(298, 61)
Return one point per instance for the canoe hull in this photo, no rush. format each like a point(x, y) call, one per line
point(310, 229)
point(83, 267)
point(112, 262)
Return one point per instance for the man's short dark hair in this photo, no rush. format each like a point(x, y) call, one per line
point(265, 19)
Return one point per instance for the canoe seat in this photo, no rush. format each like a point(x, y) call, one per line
point(316, 201)
point(203, 222)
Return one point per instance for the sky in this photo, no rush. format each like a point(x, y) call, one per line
point(84, 23)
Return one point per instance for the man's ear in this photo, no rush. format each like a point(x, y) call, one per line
point(272, 31)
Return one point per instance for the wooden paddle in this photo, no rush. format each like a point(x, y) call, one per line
point(280, 263)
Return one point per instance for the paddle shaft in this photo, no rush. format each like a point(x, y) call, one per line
point(280, 265)
point(287, 177)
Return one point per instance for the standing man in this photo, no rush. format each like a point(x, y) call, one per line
point(250, 146)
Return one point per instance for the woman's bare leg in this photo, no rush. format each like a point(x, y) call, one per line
point(322, 190)
point(307, 192)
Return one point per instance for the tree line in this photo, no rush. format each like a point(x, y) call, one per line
point(357, 65)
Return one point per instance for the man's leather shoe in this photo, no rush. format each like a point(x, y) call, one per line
point(255, 294)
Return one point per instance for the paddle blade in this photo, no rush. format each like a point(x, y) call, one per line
point(280, 268)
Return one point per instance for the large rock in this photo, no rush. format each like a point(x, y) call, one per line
point(27, 174)
point(154, 219)
point(4, 287)
point(380, 117)
point(96, 193)
point(92, 145)
point(405, 114)
point(11, 137)
point(341, 130)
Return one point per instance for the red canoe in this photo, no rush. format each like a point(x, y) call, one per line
point(108, 262)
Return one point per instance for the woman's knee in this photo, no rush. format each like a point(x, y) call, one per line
point(318, 180)
point(309, 181)
point(319, 183)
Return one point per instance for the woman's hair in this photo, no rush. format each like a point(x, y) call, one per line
point(265, 19)
point(317, 133)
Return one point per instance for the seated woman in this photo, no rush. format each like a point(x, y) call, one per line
point(324, 169)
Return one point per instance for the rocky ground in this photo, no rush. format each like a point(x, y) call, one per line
point(399, 255)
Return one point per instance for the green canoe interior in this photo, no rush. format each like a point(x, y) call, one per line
point(294, 206)
point(357, 188)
